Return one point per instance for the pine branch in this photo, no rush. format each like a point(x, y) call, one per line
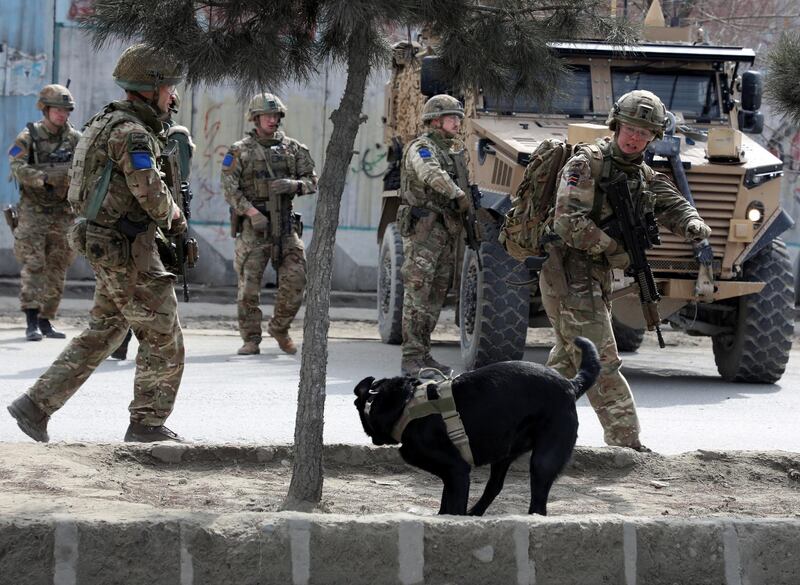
point(783, 78)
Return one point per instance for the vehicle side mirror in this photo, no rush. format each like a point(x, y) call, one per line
point(431, 80)
point(752, 88)
point(751, 122)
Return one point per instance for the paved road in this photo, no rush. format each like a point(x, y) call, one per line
point(683, 404)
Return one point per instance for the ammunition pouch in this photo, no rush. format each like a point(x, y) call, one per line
point(76, 236)
point(553, 271)
point(12, 217)
point(107, 247)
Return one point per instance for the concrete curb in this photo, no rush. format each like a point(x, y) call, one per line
point(198, 548)
point(282, 548)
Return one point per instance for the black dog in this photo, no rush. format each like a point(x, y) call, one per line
point(506, 408)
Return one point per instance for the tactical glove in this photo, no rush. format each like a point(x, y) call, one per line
point(697, 230)
point(259, 221)
point(463, 203)
point(285, 186)
point(178, 226)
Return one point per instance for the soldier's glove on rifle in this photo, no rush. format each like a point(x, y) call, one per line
point(617, 256)
point(259, 221)
point(285, 186)
point(463, 203)
point(697, 230)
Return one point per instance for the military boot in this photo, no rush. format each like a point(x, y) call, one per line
point(432, 363)
point(31, 419)
point(47, 330)
point(139, 433)
point(416, 367)
point(32, 331)
point(249, 348)
point(284, 341)
point(121, 352)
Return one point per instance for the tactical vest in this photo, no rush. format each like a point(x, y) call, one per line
point(52, 158)
point(414, 191)
point(264, 164)
point(93, 176)
point(639, 177)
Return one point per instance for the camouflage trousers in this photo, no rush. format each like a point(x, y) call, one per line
point(427, 271)
point(252, 254)
point(586, 311)
point(123, 298)
point(40, 246)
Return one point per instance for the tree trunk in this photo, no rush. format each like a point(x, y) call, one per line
point(305, 489)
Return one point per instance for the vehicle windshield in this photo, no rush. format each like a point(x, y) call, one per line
point(694, 94)
point(573, 98)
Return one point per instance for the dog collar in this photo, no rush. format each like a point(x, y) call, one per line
point(421, 405)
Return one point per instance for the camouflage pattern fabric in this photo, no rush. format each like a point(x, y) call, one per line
point(150, 309)
point(251, 257)
point(579, 304)
point(243, 169)
point(431, 178)
point(40, 243)
point(427, 271)
point(133, 287)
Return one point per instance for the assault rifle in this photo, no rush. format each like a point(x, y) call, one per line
point(278, 210)
point(470, 221)
point(185, 249)
point(638, 234)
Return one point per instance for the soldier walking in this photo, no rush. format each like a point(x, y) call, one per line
point(126, 210)
point(576, 280)
point(433, 186)
point(261, 174)
point(39, 159)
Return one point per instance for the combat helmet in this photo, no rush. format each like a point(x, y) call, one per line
point(640, 108)
point(441, 105)
point(139, 68)
point(57, 96)
point(265, 103)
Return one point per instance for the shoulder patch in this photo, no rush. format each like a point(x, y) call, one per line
point(424, 152)
point(141, 160)
point(228, 160)
point(15, 150)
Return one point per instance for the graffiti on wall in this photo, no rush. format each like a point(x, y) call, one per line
point(80, 9)
point(21, 73)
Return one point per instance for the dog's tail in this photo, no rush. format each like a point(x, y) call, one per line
point(590, 367)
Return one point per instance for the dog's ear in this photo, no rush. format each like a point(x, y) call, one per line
point(363, 386)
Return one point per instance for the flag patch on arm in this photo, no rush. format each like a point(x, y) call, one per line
point(424, 153)
point(141, 160)
point(15, 150)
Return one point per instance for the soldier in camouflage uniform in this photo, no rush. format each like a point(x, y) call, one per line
point(576, 281)
point(126, 208)
point(433, 186)
point(39, 160)
point(267, 169)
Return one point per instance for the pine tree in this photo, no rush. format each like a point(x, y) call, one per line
point(500, 45)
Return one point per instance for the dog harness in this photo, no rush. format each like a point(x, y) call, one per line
point(438, 400)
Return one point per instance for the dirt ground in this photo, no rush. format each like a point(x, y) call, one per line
point(118, 479)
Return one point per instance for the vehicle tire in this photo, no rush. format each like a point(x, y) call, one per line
point(390, 287)
point(758, 348)
point(628, 339)
point(493, 315)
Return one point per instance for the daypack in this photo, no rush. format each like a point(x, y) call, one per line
point(529, 222)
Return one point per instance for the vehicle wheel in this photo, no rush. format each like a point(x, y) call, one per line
point(758, 349)
point(628, 339)
point(493, 315)
point(390, 287)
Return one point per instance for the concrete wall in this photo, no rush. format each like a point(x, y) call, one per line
point(283, 548)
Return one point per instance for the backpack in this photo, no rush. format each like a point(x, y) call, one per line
point(528, 224)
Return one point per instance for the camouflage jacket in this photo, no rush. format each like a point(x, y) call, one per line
point(130, 134)
point(433, 172)
point(40, 166)
point(578, 187)
point(253, 159)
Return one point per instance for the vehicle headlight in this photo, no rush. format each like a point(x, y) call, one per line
point(755, 212)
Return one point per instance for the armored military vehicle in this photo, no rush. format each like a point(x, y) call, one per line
point(744, 302)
